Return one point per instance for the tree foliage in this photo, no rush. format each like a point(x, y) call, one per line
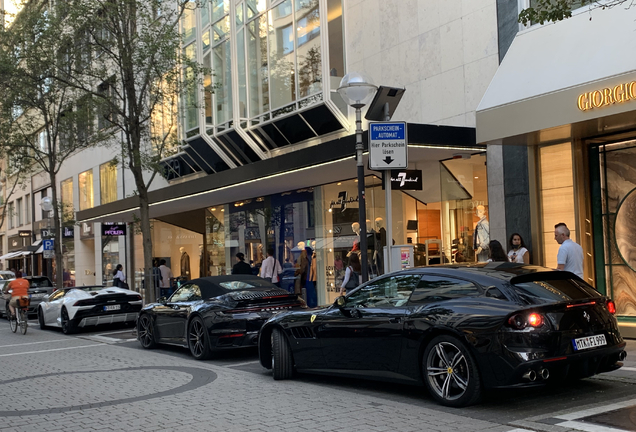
point(543, 11)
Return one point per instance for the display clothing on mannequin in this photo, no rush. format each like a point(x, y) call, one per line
point(185, 265)
point(481, 239)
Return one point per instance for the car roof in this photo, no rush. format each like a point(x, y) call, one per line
point(502, 271)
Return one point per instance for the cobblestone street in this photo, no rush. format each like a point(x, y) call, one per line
point(104, 381)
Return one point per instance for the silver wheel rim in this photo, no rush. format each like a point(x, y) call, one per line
point(145, 331)
point(447, 371)
point(197, 338)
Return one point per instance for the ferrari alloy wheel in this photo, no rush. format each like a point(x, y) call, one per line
point(451, 374)
point(282, 360)
point(41, 319)
point(68, 326)
point(145, 332)
point(198, 340)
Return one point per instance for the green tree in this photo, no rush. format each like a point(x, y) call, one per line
point(542, 11)
point(42, 120)
point(138, 71)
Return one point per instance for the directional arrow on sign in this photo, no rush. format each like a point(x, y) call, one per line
point(388, 160)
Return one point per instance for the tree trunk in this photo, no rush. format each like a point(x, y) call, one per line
point(144, 213)
point(57, 229)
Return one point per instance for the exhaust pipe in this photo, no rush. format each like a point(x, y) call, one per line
point(530, 375)
point(545, 374)
point(622, 355)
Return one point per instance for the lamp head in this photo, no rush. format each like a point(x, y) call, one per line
point(47, 204)
point(356, 89)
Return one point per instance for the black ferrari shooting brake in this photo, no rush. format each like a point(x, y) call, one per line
point(455, 329)
point(214, 313)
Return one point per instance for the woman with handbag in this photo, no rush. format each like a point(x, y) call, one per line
point(352, 274)
point(119, 280)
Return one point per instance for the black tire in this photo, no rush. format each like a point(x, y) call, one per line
point(282, 359)
point(24, 322)
point(41, 319)
point(68, 325)
point(13, 321)
point(450, 372)
point(146, 332)
point(198, 340)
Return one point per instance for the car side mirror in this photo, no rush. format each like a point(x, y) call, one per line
point(340, 302)
point(162, 300)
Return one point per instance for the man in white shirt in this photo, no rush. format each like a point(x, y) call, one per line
point(166, 274)
point(570, 256)
point(270, 269)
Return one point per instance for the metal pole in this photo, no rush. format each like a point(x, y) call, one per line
point(362, 213)
point(388, 207)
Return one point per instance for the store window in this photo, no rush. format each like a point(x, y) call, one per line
point(27, 209)
point(85, 186)
point(108, 182)
point(10, 215)
point(556, 191)
point(465, 226)
point(615, 231)
point(215, 259)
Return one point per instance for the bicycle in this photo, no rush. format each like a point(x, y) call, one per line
point(21, 320)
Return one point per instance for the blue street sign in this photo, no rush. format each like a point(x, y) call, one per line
point(47, 244)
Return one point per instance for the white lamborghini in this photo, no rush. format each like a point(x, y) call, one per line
point(76, 307)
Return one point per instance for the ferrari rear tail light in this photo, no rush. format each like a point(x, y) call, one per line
point(522, 320)
point(611, 307)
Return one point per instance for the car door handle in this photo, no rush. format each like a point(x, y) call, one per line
point(395, 320)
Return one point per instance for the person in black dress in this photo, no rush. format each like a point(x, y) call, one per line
point(241, 267)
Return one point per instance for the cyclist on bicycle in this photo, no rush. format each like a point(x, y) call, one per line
point(20, 288)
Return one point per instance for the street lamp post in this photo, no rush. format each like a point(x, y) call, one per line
point(357, 90)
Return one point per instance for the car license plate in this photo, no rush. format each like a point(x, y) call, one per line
point(589, 342)
point(112, 307)
point(37, 296)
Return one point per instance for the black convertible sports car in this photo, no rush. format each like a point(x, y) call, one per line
point(455, 329)
point(213, 313)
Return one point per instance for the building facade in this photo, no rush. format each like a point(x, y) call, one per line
point(560, 132)
point(267, 144)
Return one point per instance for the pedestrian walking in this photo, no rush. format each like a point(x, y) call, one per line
point(570, 255)
point(241, 267)
point(518, 252)
point(119, 279)
point(496, 252)
point(301, 272)
point(352, 274)
point(271, 269)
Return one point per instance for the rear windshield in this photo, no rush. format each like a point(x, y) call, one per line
point(243, 284)
point(554, 290)
point(40, 282)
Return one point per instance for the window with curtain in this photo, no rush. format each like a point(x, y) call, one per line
point(557, 196)
point(85, 183)
point(108, 182)
point(66, 188)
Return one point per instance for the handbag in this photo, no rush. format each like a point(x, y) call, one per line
point(353, 280)
point(123, 284)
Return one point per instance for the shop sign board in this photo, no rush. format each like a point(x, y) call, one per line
point(405, 180)
point(113, 229)
point(387, 145)
point(68, 232)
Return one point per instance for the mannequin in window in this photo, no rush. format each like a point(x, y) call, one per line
point(355, 227)
point(380, 242)
point(185, 263)
point(481, 236)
